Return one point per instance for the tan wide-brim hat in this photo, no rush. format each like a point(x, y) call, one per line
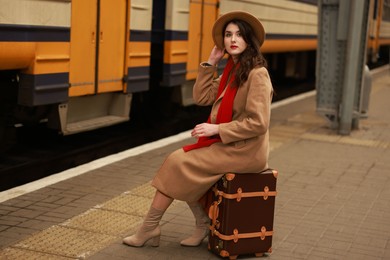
point(219, 24)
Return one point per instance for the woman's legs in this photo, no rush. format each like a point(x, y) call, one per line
point(150, 228)
point(161, 201)
point(201, 225)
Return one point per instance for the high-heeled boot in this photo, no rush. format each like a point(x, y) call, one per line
point(150, 229)
point(201, 226)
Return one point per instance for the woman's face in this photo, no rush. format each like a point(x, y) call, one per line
point(234, 42)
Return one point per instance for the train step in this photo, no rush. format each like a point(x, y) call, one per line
point(92, 124)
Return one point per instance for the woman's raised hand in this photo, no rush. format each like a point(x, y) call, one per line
point(216, 55)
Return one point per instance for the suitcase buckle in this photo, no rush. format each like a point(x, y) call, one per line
point(266, 191)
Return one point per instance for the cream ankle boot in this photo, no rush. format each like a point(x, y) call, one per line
point(201, 228)
point(150, 229)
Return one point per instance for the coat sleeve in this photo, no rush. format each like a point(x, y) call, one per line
point(206, 87)
point(256, 117)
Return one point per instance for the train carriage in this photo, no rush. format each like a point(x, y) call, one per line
point(81, 59)
point(185, 41)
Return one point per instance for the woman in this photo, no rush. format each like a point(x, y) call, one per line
point(235, 137)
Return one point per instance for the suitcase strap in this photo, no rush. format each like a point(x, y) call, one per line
point(265, 194)
point(236, 236)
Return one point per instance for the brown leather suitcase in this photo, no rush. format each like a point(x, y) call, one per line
point(242, 214)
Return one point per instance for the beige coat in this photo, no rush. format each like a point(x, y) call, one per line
point(245, 143)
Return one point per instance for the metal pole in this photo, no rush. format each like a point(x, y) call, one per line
point(353, 57)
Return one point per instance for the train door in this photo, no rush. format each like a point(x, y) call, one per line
point(112, 41)
point(98, 92)
point(83, 47)
point(98, 41)
point(202, 14)
point(194, 38)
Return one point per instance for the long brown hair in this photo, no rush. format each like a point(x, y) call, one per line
point(251, 57)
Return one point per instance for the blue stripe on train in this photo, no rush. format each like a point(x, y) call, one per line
point(174, 74)
point(43, 89)
point(137, 79)
point(290, 36)
point(32, 33)
point(176, 35)
point(140, 36)
point(310, 2)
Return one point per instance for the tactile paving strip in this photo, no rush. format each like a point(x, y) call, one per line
point(305, 126)
point(360, 142)
point(17, 253)
point(129, 204)
point(105, 222)
point(145, 190)
point(321, 137)
point(274, 145)
point(65, 241)
point(281, 134)
point(286, 131)
point(85, 234)
point(344, 140)
point(307, 119)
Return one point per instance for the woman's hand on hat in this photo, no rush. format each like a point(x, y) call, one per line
point(216, 55)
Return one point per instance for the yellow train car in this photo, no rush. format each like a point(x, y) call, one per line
point(291, 36)
point(291, 28)
point(78, 60)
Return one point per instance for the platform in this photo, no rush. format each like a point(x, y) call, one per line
point(333, 195)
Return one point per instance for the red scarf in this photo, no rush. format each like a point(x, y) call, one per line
point(225, 111)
